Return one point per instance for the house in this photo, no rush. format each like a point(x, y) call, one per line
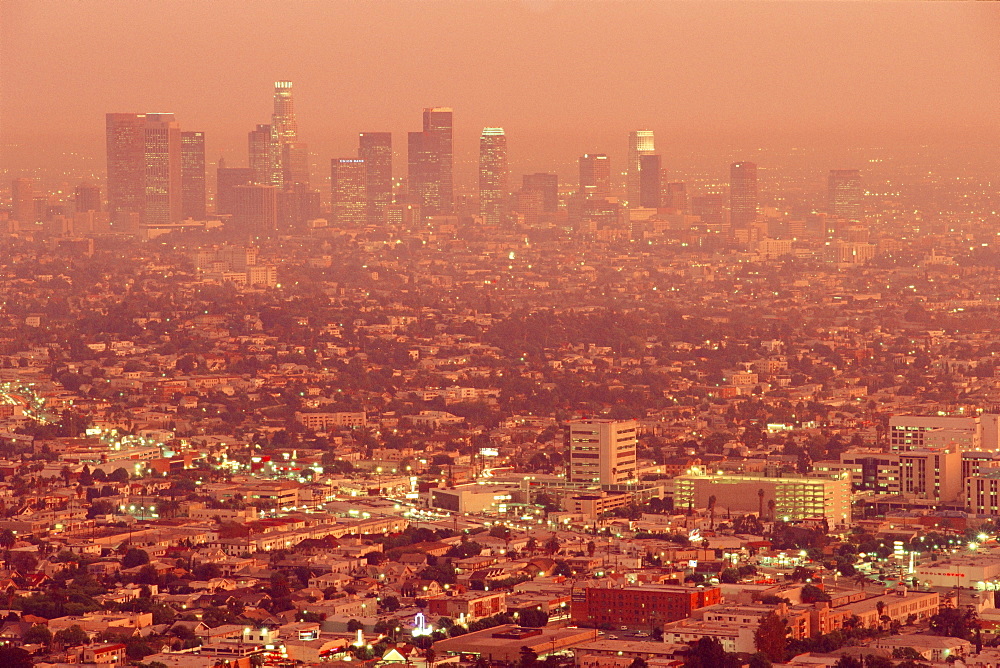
point(110, 654)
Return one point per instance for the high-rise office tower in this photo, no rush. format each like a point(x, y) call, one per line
point(295, 164)
point(649, 181)
point(259, 147)
point(126, 152)
point(193, 192)
point(23, 194)
point(640, 143)
point(348, 188)
point(375, 148)
point(87, 197)
point(226, 180)
point(423, 172)
point(430, 162)
point(674, 196)
point(547, 185)
point(528, 205)
point(163, 170)
point(595, 175)
point(742, 194)
point(710, 208)
point(844, 194)
point(438, 123)
point(493, 176)
point(296, 206)
point(255, 209)
point(284, 129)
point(602, 451)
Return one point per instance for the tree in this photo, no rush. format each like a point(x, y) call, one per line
point(875, 661)
point(533, 618)
point(14, 657)
point(954, 623)
point(759, 661)
point(135, 557)
point(528, 657)
point(638, 662)
point(552, 545)
point(279, 586)
point(907, 653)
point(207, 571)
point(72, 636)
point(812, 594)
point(147, 575)
point(7, 539)
point(708, 653)
point(848, 662)
point(353, 626)
point(118, 475)
point(711, 512)
point(563, 569)
point(38, 634)
point(771, 637)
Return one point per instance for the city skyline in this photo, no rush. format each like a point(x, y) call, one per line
point(711, 102)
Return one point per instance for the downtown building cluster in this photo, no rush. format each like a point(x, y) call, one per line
point(156, 183)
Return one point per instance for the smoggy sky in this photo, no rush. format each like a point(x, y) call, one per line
point(718, 79)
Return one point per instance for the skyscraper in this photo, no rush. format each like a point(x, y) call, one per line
point(193, 193)
point(493, 176)
point(844, 194)
point(259, 148)
point(375, 148)
point(602, 451)
point(742, 194)
point(438, 123)
point(87, 197)
point(422, 172)
point(595, 175)
point(674, 196)
point(255, 209)
point(547, 185)
point(126, 152)
point(649, 182)
point(430, 162)
point(297, 206)
point(163, 170)
point(640, 143)
point(710, 208)
point(226, 179)
point(23, 193)
point(295, 164)
point(348, 188)
point(284, 129)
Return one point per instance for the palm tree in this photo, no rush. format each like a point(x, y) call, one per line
point(711, 512)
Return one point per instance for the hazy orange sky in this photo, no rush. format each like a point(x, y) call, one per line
point(561, 77)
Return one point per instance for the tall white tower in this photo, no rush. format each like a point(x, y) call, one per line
point(492, 175)
point(640, 142)
point(284, 129)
